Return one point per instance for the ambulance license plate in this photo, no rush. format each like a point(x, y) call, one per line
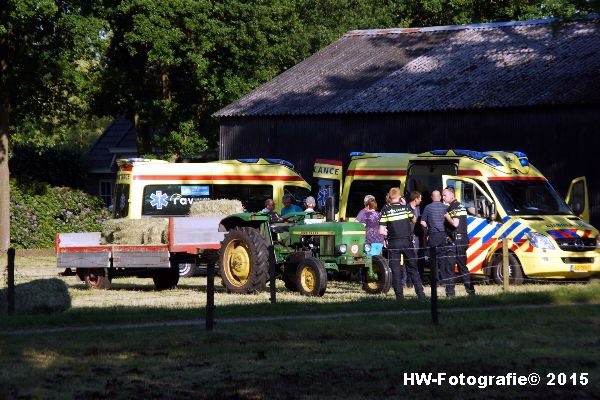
point(581, 268)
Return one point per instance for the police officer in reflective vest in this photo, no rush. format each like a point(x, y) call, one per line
point(395, 224)
point(433, 220)
point(456, 231)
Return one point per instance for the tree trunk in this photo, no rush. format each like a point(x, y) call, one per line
point(4, 173)
point(142, 131)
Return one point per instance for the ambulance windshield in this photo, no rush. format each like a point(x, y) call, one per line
point(529, 197)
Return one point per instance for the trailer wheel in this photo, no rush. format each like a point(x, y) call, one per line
point(97, 278)
point(384, 277)
point(515, 272)
point(311, 277)
point(166, 278)
point(244, 261)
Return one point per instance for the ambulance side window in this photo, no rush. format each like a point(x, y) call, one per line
point(474, 200)
point(426, 177)
point(168, 200)
point(252, 196)
point(297, 193)
point(360, 188)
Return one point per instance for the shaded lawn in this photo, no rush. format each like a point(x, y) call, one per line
point(353, 357)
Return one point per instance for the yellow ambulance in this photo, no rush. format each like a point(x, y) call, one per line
point(155, 188)
point(509, 198)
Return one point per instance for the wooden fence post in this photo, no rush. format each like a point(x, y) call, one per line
point(505, 273)
point(10, 292)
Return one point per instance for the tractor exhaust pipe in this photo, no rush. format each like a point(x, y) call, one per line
point(329, 209)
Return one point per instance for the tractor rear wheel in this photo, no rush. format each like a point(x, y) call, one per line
point(244, 261)
point(311, 277)
point(383, 282)
point(97, 278)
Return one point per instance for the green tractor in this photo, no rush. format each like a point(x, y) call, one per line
point(305, 251)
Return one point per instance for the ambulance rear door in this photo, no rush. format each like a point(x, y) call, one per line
point(327, 182)
point(577, 198)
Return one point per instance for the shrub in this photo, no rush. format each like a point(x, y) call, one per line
point(39, 211)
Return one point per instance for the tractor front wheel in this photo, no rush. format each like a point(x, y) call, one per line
point(244, 261)
point(311, 277)
point(383, 282)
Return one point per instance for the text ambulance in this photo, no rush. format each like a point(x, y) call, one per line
point(510, 198)
point(149, 188)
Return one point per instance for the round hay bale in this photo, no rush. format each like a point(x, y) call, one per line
point(41, 296)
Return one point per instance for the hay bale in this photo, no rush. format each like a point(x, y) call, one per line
point(211, 208)
point(40, 296)
point(135, 231)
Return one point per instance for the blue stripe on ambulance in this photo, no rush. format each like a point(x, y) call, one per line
point(510, 229)
point(557, 234)
point(569, 233)
point(477, 229)
point(491, 233)
point(519, 235)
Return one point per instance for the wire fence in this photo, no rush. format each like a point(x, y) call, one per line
point(25, 272)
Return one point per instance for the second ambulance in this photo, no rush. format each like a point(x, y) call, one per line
point(508, 197)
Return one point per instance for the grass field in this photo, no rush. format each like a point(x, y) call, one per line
point(358, 356)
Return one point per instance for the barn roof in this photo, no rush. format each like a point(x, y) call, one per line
point(513, 64)
point(117, 141)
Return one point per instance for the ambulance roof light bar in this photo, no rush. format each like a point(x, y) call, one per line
point(138, 160)
point(269, 160)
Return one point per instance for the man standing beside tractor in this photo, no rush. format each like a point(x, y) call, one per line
point(395, 224)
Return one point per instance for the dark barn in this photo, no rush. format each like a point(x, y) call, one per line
point(532, 86)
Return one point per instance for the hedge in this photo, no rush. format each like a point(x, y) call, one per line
point(39, 211)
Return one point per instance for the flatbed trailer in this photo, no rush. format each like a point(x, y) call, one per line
point(191, 240)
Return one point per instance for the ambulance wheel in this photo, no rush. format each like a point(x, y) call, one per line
point(515, 272)
point(97, 278)
point(166, 278)
point(311, 277)
point(187, 270)
point(244, 261)
point(384, 277)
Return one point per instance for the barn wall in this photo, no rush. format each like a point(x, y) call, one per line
point(559, 141)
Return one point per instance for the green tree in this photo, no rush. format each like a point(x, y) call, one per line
point(49, 53)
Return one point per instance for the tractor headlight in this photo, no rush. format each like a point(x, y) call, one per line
point(342, 248)
point(540, 241)
point(367, 247)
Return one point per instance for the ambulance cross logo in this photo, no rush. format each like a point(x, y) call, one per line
point(322, 196)
point(158, 200)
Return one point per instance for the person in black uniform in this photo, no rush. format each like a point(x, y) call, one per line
point(432, 220)
point(395, 224)
point(456, 231)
